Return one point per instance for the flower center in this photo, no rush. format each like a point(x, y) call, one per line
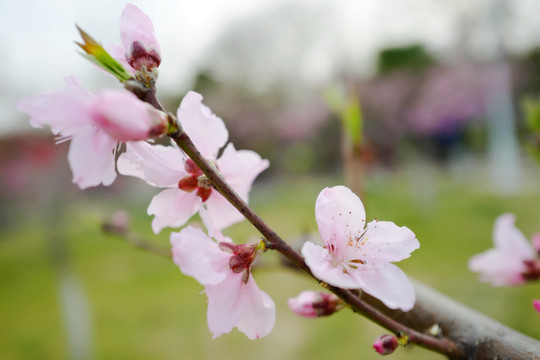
point(195, 181)
point(243, 257)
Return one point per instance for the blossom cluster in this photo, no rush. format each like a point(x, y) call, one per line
point(112, 131)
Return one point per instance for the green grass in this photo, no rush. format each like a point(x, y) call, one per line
point(142, 307)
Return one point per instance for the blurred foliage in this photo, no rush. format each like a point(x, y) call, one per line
point(413, 58)
point(531, 110)
point(347, 106)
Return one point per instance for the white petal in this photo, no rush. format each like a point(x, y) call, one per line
point(160, 166)
point(498, 268)
point(510, 239)
point(240, 168)
point(339, 213)
point(172, 208)
point(206, 130)
point(65, 110)
point(225, 304)
point(221, 212)
point(320, 262)
point(387, 283)
point(384, 241)
point(199, 256)
point(259, 312)
point(91, 158)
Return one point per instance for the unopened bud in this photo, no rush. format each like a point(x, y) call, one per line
point(386, 344)
point(315, 304)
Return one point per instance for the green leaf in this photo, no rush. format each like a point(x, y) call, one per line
point(99, 56)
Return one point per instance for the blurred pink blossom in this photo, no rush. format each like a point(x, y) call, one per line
point(513, 260)
point(94, 124)
point(314, 304)
point(234, 299)
point(355, 256)
point(536, 305)
point(186, 191)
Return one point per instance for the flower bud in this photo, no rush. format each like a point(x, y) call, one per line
point(137, 34)
point(125, 118)
point(386, 344)
point(315, 304)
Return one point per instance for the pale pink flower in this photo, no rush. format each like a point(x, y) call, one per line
point(94, 124)
point(186, 192)
point(513, 260)
point(315, 304)
point(386, 344)
point(356, 256)
point(139, 43)
point(224, 270)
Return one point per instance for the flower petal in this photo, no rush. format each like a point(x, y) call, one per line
point(91, 158)
point(124, 117)
point(320, 262)
point(159, 166)
point(172, 208)
point(199, 256)
point(225, 304)
point(498, 267)
point(206, 130)
point(387, 283)
point(135, 25)
point(510, 239)
point(65, 110)
point(259, 312)
point(339, 213)
point(240, 168)
point(221, 212)
point(387, 242)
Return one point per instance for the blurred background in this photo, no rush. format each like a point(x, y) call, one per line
point(416, 105)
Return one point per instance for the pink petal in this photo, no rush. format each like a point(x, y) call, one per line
point(510, 239)
point(387, 242)
point(240, 168)
point(387, 283)
point(135, 25)
point(172, 208)
point(225, 304)
point(221, 212)
point(199, 256)
point(206, 130)
point(303, 304)
point(65, 110)
point(124, 117)
point(160, 166)
point(339, 213)
point(91, 158)
point(321, 265)
point(259, 312)
point(498, 268)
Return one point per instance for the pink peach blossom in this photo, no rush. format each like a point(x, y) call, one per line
point(95, 124)
point(138, 39)
point(185, 192)
point(513, 260)
point(356, 256)
point(234, 299)
point(386, 344)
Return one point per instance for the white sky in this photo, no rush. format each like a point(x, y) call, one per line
point(37, 36)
